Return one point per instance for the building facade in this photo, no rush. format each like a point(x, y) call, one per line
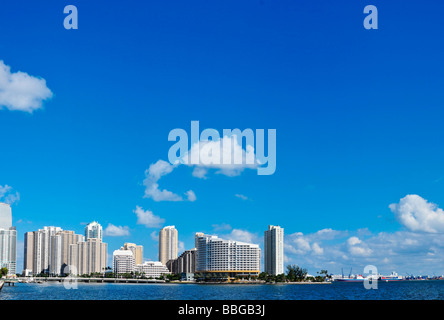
point(123, 261)
point(227, 257)
point(5, 216)
point(185, 263)
point(167, 244)
point(8, 240)
point(274, 250)
point(47, 250)
point(152, 269)
point(137, 251)
point(8, 250)
point(94, 230)
point(88, 257)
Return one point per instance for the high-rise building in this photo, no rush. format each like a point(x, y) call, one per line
point(5, 216)
point(93, 230)
point(88, 257)
point(123, 261)
point(185, 263)
point(274, 250)
point(42, 249)
point(28, 257)
point(8, 249)
point(8, 240)
point(60, 243)
point(167, 244)
point(47, 250)
point(228, 258)
point(137, 251)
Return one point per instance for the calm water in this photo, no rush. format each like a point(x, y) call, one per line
point(336, 291)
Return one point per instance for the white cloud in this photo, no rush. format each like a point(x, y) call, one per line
point(147, 218)
point(191, 195)
point(353, 241)
point(7, 195)
point(230, 161)
point(20, 91)
point(417, 214)
point(116, 231)
point(241, 196)
point(180, 247)
point(154, 236)
point(211, 155)
point(153, 174)
point(243, 236)
point(317, 249)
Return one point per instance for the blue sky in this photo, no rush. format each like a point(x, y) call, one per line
point(358, 115)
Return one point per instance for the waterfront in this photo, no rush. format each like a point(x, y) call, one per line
point(403, 290)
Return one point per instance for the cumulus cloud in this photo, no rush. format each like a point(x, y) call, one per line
point(153, 174)
point(116, 231)
point(417, 214)
point(243, 236)
point(224, 155)
point(191, 195)
point(7, 195)
point(229, 161)
point(20, 91)
point(147, 218)
point(353, 241)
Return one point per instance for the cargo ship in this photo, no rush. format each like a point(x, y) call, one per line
point(392, 277)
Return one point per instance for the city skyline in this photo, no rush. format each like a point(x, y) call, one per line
point(86, 116)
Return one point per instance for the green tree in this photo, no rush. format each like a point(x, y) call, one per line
point(3, 272)
point(296, 273)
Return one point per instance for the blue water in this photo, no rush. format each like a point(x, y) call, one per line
point(415, 290)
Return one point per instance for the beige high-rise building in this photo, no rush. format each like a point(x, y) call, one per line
point(167, 244)
point(137, 251)
point(47, 250)
point(88, 257)
point(60, 250)
point(28, 259)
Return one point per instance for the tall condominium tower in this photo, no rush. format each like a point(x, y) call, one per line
point(88, 257)
point(167, 244)
point(47, 250)
point(274, 250)
point(8, 240)
point(93, 230)
point(137, 251)
point(8, 249)
point(5, 216)
point(41, 249)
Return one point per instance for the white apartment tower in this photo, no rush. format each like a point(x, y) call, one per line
point(167, 244)
point(227, 257)
point(123, 261)
point(93, 230)
point(8, 240)
point(274, 250)
point(5, 216)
